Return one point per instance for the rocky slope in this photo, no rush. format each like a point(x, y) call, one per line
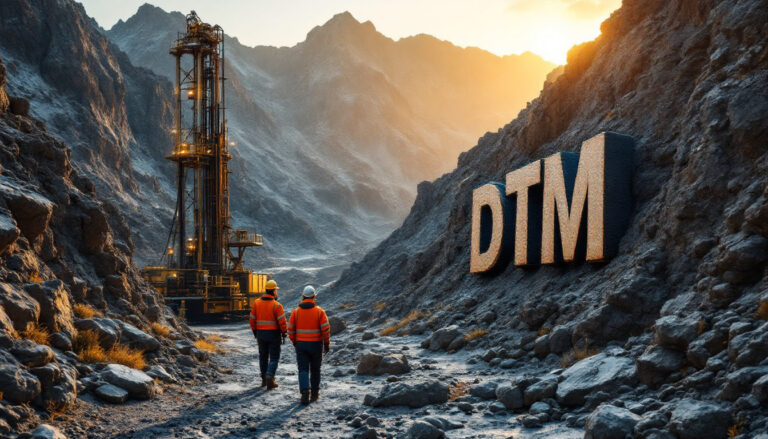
point(679, 315)
point(347, 121)
point(65, 273)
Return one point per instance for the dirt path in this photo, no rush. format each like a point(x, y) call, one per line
point(235, 407)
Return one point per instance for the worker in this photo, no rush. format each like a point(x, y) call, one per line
point(310, 333)
point(269, 327)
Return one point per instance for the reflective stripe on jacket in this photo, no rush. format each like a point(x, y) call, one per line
point(309, 323)
point(268, 313)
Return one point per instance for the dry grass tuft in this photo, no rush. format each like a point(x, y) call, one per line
point(735, 429)
point(35, 277)
point(206, 345)
point(543, 331)
point(214, 338)
point(379, 306)
point(762, 311)
point(347, 306)
point(84, 311)
point(86, 345)
point(159, 329)
point(413, 315)
point(475, 333)
point(37, 333)
point(577, 354)
point(458, 390)
point(702, 326)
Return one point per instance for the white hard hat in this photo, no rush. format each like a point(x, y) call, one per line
point(309, 292)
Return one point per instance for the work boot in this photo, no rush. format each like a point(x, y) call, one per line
point(315, 395)
point(271, 383)
point(305, 397)
point(263, 382)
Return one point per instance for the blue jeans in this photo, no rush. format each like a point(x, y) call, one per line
point(269, 351)
point(309, 356)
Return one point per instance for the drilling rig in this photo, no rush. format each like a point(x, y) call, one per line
point(202, 275)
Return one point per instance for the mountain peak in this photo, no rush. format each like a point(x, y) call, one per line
point(343, 23)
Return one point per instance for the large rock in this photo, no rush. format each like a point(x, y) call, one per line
point(546, 388)
point(136, 338)
point(443, 337)
point(55, 308)
point(337, 324)
point(20, 307)
point(740, 255)
point(112, 394)
point(423, 430)
point(739, 382)
point(560, 339)
point(31, 211)
point(375, 364)
point(106, 329)
point(9, 233)
point(46, 431)
point(32, 354)
point(486, 390)
point(749, 348)
point(18, 385)
point(610, 422)
point(511, 396)
point(657, 362)
point(411, 395)
point(48, 374)
point(675, 332)
point(760, 389)
point(693, 419)
point(600, 372)
point(138, 384)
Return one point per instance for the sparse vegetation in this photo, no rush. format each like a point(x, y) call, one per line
point(475, 333)
point(159, 329)
point(347, 306)
point(544, 330)
point(458, 390)
point(35, 277)
point(215, 338)
point(577, 354)
point(413, 315)
point(89, 350)
point(83, 311)
point(208, 346)
point(702, 326)
point(379, 306)
point(762, 311)
point(37, 333)
point(735, 429)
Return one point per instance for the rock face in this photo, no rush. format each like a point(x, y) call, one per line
point(600, 372)
point(411, 395)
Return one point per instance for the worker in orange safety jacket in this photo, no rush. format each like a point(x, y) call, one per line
point(310, 333)
point(269, 327)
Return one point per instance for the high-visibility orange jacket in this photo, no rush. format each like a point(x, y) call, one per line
point(267, 313)
point(309, 323)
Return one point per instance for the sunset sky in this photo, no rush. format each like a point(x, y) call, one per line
point(546, 27)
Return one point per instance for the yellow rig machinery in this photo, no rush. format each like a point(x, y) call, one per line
point(202, 276)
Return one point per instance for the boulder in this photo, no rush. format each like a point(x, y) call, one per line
point(610, 422)
point(48, 374)
point(106, 329)
point(159, 372)
point(546, 388)
point(486, 390)
point(560, 339)
point(693, 419)
point(375, 364)
point(656, 363)
point(136, 338)
point(740, 381)
point(511, 396)
point(750, 348)
point(675, 332)
point(722, 294)
point(46, 431)
point(138, 384)
point(9, 233)
point(19, 386)
point(61, 341)
point(55, 308)
point(112, 394)
point(6, 324)
point(760, 389)
point(599, 372)
point(442, 338)
point(32, 354)
point(411, 395)
point(31, 211)
point(19, 306)
point(740, 255)
point(541, 346)
point(337, 324)
point(423, 430)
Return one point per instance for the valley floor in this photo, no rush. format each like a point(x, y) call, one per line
point(235, 407)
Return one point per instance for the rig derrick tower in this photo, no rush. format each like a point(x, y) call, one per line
point(203, 275)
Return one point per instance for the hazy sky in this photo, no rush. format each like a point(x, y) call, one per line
point(545, 27)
